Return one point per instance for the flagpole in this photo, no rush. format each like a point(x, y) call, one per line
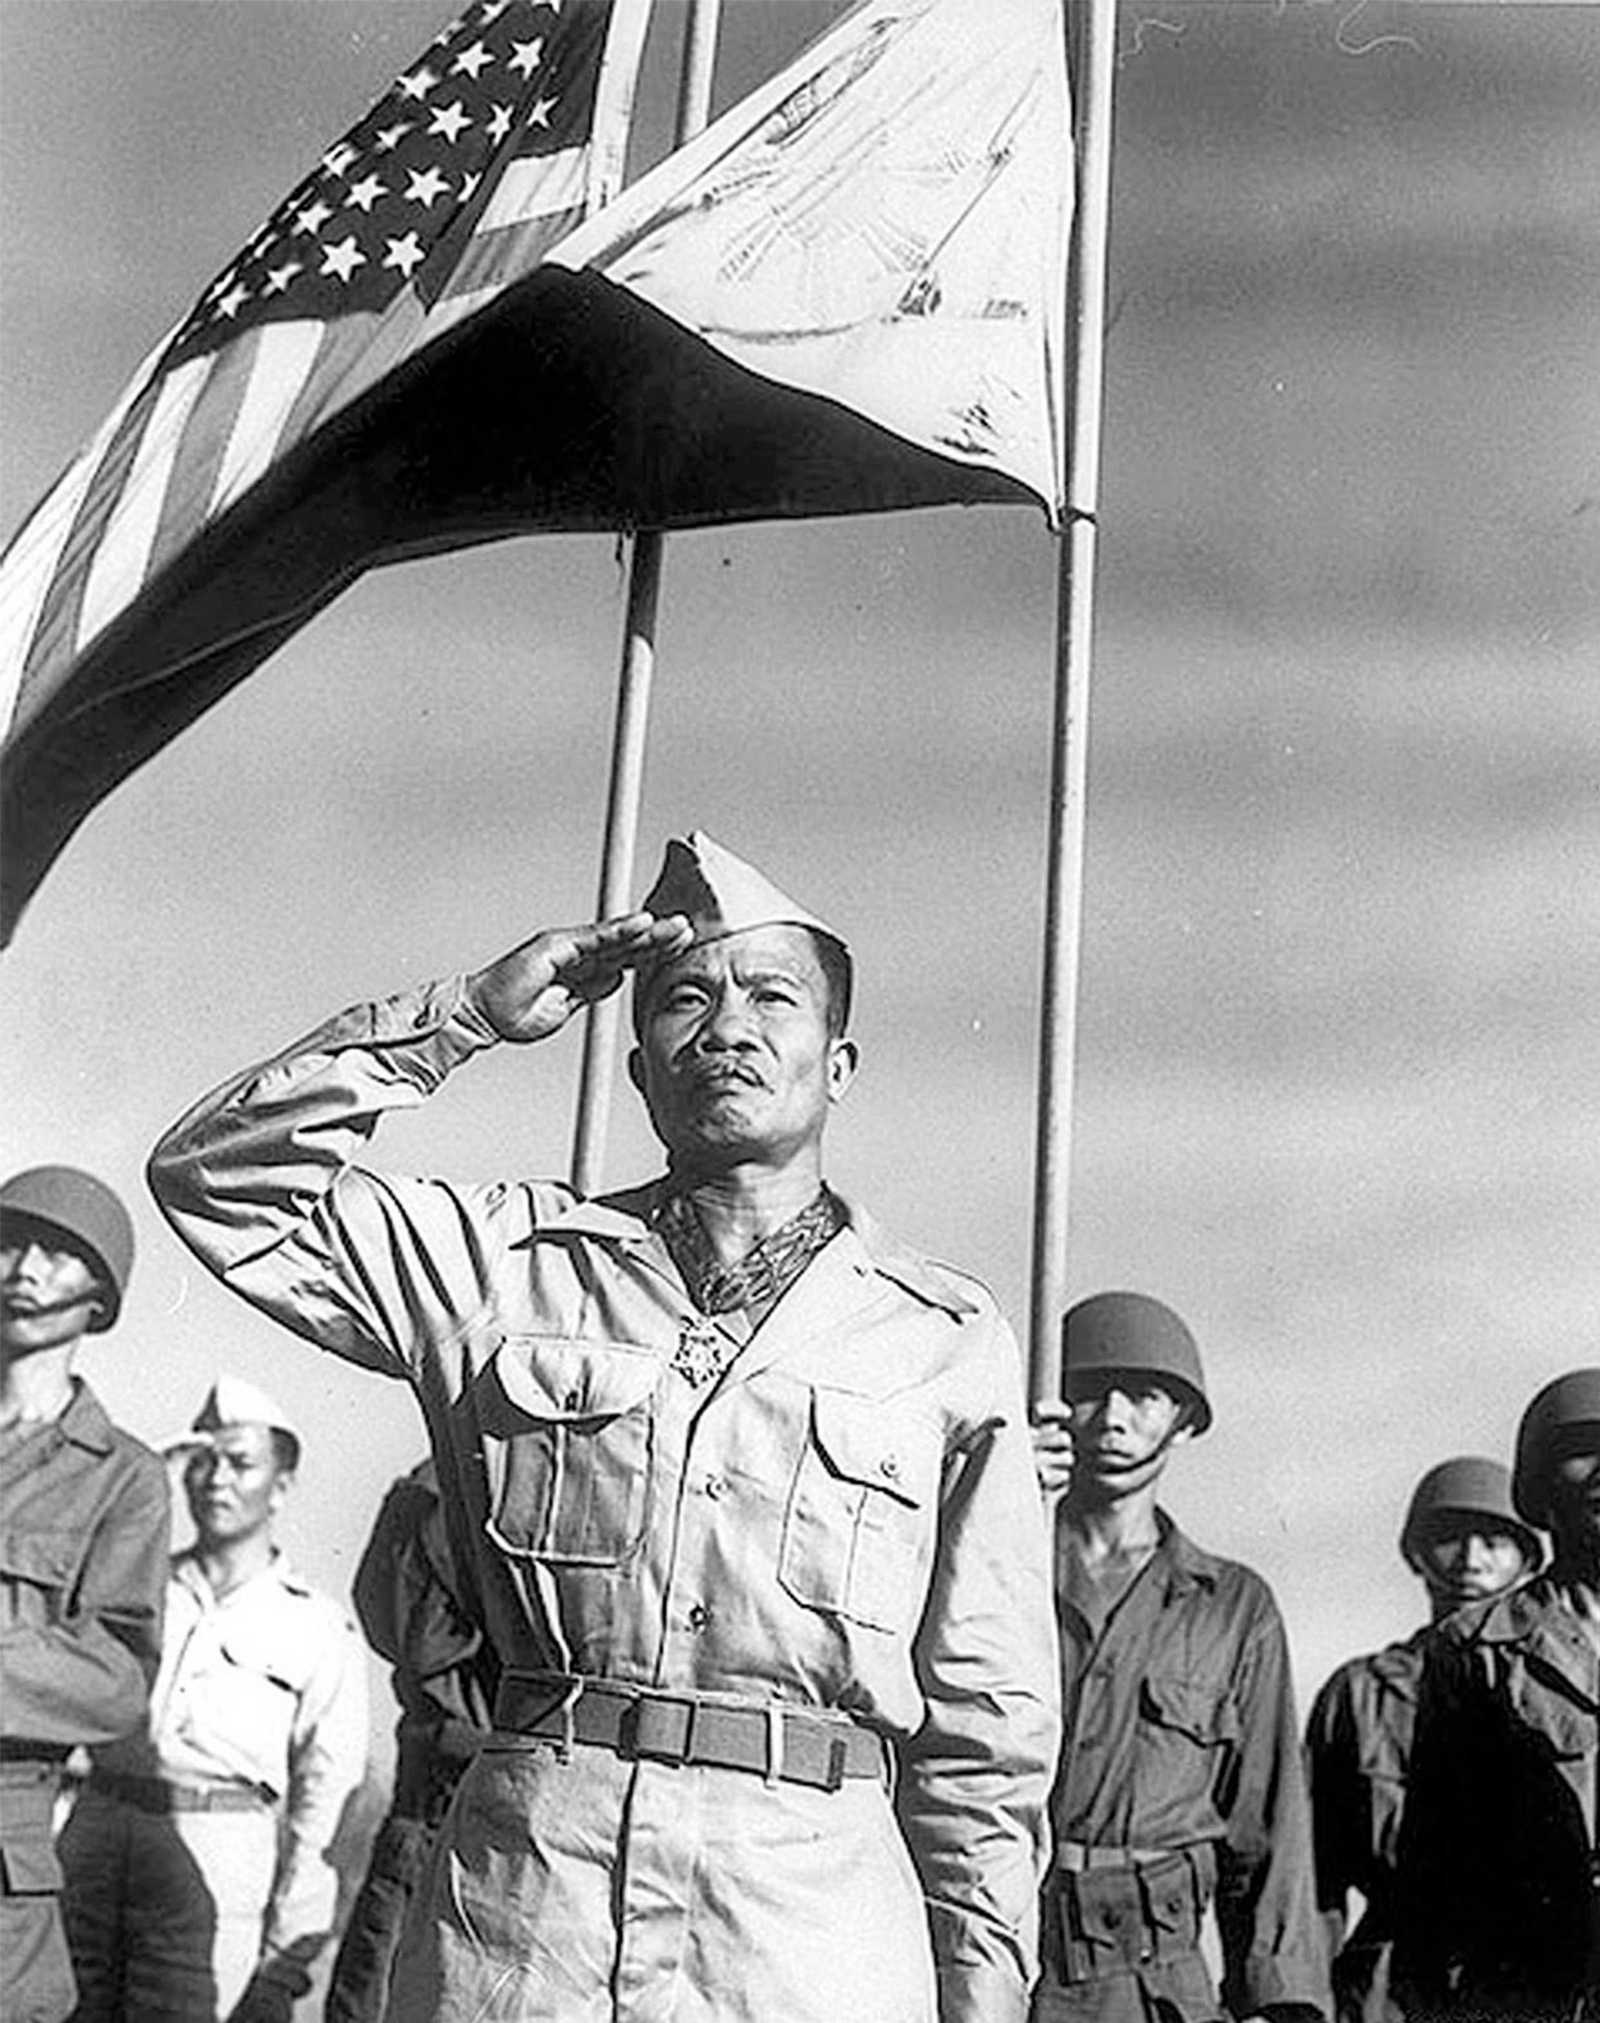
point(1095, 27)
point(603, 1027)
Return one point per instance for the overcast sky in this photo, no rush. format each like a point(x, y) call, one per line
point(1338, 1053)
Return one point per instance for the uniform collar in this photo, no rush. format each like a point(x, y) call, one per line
point(277, 1573)
point(84, 1422)
point(1521, 1616)
point(625, 1219)
point(1187, 1565)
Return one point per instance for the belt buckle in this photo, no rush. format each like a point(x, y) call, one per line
point(643, 1730)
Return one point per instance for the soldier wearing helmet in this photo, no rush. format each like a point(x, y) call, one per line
point(1499, 1866)
point(1465, 1541)
point(84, 1519)
point(1180, 1788)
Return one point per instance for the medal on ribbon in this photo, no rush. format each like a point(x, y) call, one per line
point(701, 1351)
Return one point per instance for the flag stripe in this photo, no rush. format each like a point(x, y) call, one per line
point(283, 365)
point(536, 186)
point(58, 617)
point(120, 565)
point(201, 449)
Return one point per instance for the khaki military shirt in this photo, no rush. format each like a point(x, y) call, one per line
point(847, 1519)
point(264, 1686)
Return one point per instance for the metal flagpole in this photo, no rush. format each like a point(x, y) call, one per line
point(1094, 26)
point(603, 1027)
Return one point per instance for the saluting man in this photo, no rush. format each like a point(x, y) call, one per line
point(198, 1881)
point(743, 1485)
point(1464, 1540)
point(1180, 1788)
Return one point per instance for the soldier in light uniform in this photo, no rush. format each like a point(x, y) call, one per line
point(745, 1486)
point(198, 1882)
point(1499, 1872)
point(84, 1537)
point(1180, 1788)
point(1465, 1542)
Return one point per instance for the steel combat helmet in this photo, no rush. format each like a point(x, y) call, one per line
point(1565, 1405)
point(75, 1204)
point(1466, 1486)
point(1130, 1331)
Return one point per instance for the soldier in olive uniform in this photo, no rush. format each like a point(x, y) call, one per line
point(1499, 1875)
point(1465, 1542)
point(85, 1525)
point(1180, 1788)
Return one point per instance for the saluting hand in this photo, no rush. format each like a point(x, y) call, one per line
point(533, 991)
point(1052, 1448)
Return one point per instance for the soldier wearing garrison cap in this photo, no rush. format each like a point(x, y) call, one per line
point(85, 1525)
point(741, 1486)
point(1499, 1870)
point(1180, 1790)
point(1464, 1539)
point(196, 1859)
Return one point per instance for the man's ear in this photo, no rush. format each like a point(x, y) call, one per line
point(844, 1057)
point(636, 1069)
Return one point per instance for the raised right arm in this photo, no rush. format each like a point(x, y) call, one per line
point(260, 1178)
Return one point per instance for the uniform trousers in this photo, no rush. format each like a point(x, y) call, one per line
point(164, 1910)
point(35, 1973)
point(576, 1887)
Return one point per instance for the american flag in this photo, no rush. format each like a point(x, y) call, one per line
point(483, 155)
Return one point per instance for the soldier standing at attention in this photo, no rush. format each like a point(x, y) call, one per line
point(1464, 1540)
point(1180, 1787)
point(1500, 1847)
point(197, 1877)
point(84, 1515)
point(744, 1487)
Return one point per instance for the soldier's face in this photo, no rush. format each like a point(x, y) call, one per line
point(735, 1060)
point(1575, 1491)
point(49, 1291)
point(1123, 1427)
point(1465, 1561)
point(234, 1484)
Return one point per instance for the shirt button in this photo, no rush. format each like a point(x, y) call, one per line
point(699, 1616)
point(889, 1466)
point(715, 1486)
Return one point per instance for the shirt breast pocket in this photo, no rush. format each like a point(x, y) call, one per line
point(36, 1567)
point(1188, 1718)
point(858, 1529)
point(1560, 1729)
point(570, 1478)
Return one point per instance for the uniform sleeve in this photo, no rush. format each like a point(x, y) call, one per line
point(259, 1180)
point(1333, 1780)
point(327, 1760)
point(1274, 1957)
point(976, 1777)
point(79, 1668)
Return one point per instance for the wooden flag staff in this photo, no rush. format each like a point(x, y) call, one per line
point(1093, 50)
point(603, 1027)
